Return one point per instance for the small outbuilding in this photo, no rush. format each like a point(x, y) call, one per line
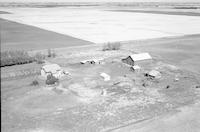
point(135, 68)
point(105, 76)
point(154, 74)
point(130, 60)
point(91, 61)
point(53, 69)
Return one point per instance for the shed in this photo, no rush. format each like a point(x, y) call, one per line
point(105, 76)
point(154, 74)
point(136, 57)
point(91, 61)
point(135, 68)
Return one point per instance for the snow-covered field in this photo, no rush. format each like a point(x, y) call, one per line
point(101, 26)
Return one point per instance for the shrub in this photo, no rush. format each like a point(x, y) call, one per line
point(51, 80)
point(39, 58)
point(9, 58)
point(51, 53)
point(35, 83)
point(112, 46)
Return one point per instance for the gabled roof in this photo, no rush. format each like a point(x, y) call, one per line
point(136, 67)
point(140, 56)
point(53, 68)
point(154, 73)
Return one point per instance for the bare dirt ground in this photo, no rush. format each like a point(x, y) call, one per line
point(98, 25)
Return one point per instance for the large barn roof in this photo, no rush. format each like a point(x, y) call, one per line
point(140, 56)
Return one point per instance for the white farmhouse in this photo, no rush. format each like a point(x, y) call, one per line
point(53, 69)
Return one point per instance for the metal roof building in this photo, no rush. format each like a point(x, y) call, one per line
point(136, 57)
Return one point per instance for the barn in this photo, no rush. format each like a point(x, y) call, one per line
point(130, 60)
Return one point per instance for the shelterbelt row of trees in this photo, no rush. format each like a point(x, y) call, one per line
point(18, 57)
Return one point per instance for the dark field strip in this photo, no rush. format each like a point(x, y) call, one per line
point(4, 12)
point(16, 36)
point(161, 12)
